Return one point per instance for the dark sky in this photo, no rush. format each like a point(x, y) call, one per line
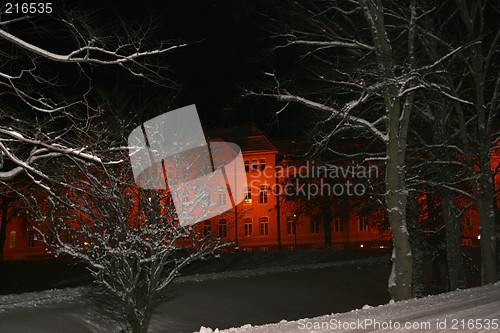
point(221, 55)
point(225, 51)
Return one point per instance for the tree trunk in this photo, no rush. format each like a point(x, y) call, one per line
point(3, 227)
point(488, 238)
point(454, 253)
point(418, 279)
point(397, 122)
point(484, 187)
point(401, 276)
point(327, 223)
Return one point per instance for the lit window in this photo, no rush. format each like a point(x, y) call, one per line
point(263, 194)
point(363, 223)
point(248, 196)
point(222, 228)
point(290, 225)
point(314, 227)
point(31, 238)
point(338, 224)
point(264, 226)
point(248, 226)
point(247, 165)
point(262, 164)
point(207, 228)
point(12, 239)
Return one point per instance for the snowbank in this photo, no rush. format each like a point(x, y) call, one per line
point(472, 310)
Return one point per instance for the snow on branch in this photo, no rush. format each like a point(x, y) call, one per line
point(83, 54)
point(332, 112)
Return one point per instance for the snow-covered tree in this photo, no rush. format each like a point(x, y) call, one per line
point(359, 84)
point(129, 239)
point(480, 131)
point(364, 69)
point(49, 109)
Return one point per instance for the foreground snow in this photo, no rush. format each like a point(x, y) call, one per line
point(472, 310)
point(234, 298)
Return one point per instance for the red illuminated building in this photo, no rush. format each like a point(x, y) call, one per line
point(265, 221)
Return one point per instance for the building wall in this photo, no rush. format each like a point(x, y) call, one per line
point(349, 228)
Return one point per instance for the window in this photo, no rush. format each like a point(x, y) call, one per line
point(338, 224)
point(247, 165)
point(254, 165)
point(222, 228)
point(263, 194)
point(466, 242)
point(264, 226)
point(222, 197)
point(262, 164)
point(51, 237)
point(207, 228)
point(31, 238)
point(363, 223)
point(247, 224)
point(12, 239)
point(290, 225)
point(467, 220)
point(206, 199)
point(314, 227)
point(248, 196)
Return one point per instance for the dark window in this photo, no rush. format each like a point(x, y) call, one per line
point(314, 227)
point(222, 228)
point(363, 223)
point(290, 225)
point(338, 224)
point(207, 228)
point(264, 226)
point(31, 238)
point(222, 198)
point(254, 165)
point(263, 194)
point(248, 226)
point(262, 164)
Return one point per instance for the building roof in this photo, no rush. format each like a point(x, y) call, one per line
point(249, 138)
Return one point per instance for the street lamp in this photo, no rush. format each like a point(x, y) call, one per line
point(295, 229)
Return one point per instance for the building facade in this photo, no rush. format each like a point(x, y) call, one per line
point(270, 217)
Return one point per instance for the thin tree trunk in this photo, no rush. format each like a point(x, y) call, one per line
point(418, 279)
point(3, 227)
point(454, 253)
point(397, 122)
point(327, 223)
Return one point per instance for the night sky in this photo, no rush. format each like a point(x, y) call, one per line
point(222, 56)
point(227, 52)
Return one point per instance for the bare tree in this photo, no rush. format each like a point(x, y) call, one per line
point(359, 70)
point(484, 78)
point(47, 110)
point(360, 36)
point(129, 239)
point(50, 109)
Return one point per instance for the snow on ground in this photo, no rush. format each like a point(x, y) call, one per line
point(223, 300)
point(472, 310)
point(234, 298)
point(244, 273)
